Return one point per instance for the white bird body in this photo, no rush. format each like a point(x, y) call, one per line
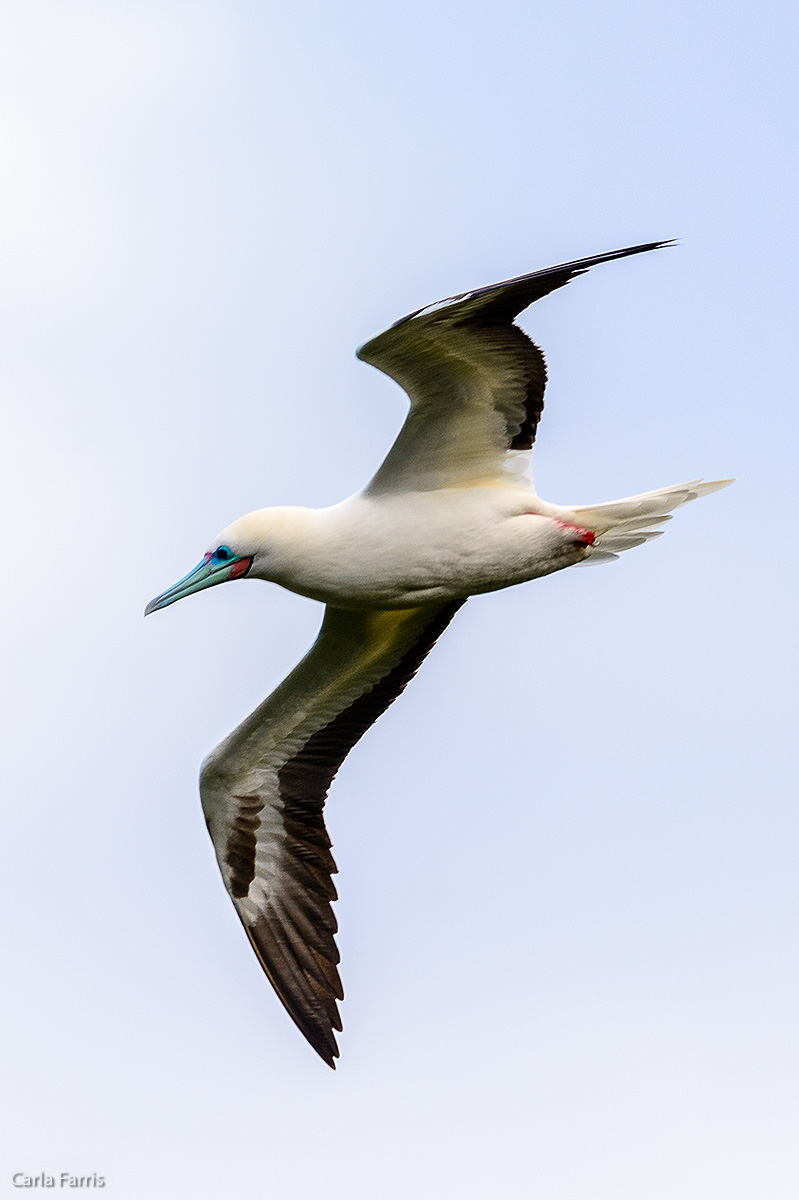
point(398, 551)
point(449, 514)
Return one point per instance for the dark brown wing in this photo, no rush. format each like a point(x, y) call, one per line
point(264, 789)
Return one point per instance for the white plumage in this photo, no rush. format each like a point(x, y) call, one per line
point(450, 513)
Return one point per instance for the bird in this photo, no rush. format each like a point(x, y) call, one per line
point(452, 512)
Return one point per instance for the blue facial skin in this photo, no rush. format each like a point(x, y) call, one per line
point(215, 568)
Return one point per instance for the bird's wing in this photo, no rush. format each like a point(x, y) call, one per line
point(263, 793)
point(475, 381)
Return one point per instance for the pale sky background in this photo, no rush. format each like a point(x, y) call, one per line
point(568, 854)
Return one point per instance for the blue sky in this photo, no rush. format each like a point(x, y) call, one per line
point(568, 899)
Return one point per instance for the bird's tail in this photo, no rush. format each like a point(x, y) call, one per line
point(621, 524)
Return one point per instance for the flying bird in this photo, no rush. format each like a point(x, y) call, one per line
point(449, 514)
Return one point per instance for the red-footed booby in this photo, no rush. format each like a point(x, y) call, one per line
point(449, 514)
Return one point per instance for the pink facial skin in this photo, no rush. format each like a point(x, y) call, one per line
point(241, 568)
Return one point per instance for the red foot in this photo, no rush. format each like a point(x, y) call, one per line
point(585, 537)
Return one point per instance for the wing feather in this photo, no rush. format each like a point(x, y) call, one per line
point(264, 788)
point(475, 381)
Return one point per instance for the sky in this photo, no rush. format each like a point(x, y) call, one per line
point(568, 854)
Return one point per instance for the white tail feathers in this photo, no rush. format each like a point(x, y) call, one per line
point(621, 524)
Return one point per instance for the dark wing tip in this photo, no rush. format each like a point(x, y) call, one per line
point(310, 1004)
point(327, 1052)
point(327, 1056)
point(584, 264)
point(504, 301)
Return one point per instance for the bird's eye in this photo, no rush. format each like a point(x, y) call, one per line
point(223, 553)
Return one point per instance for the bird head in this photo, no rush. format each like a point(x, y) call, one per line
point(254, 545)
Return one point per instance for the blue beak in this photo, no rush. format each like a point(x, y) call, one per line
point(204, 575)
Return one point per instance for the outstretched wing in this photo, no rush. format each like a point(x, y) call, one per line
point(263, 792)
point(475, 381)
